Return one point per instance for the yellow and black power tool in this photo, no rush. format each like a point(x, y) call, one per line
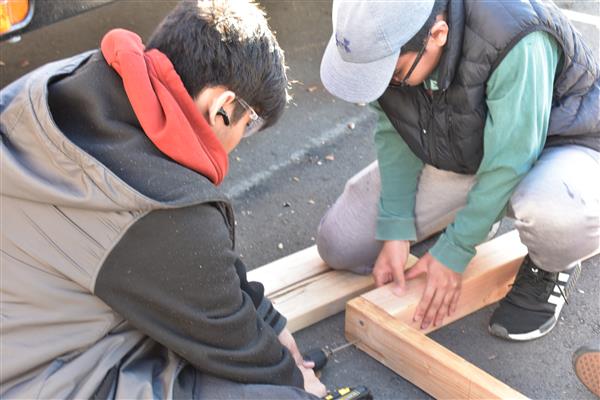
point(349, 393)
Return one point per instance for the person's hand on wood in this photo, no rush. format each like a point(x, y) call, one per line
point(441, 293)
point(312, 384)
point(389, 266)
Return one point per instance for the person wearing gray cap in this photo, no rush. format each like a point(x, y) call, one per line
point(485, 108)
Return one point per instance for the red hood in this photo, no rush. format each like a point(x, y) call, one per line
point(165, 110)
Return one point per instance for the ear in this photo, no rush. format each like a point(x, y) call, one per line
point(217, 102)
point(439, 33)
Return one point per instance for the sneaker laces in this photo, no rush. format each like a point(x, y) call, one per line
point(529, 277)
point(562, 293)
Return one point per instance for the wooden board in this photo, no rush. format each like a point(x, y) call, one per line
point(305, 290)
point(486, 280)
point(382, 322)
point(419, 359)
point(289, 270)
point(319, 297)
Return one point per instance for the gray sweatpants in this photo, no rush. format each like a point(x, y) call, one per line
point(556, 208)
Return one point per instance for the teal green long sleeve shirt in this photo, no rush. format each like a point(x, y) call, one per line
point(519, 100)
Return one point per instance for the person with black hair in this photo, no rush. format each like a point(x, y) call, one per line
point(485, 108)
point(119, 275)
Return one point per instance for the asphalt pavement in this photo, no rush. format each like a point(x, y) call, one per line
point(284, 179)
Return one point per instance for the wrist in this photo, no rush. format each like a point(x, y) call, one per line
point(452, 256)
point(397, 244)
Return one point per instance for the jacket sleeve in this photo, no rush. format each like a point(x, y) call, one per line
point(399, 169)
point(263, 306)
point(175, 277)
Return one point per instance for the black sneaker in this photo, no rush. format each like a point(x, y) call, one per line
point(531, 308)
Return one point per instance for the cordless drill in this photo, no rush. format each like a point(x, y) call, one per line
point(349, 393)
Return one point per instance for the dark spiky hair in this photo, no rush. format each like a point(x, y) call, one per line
point(229, 43)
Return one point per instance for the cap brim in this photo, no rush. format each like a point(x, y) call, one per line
point(356, 82)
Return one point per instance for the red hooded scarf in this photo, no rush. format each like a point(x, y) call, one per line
point(165, 110)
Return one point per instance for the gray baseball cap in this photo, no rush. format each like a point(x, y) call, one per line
point(361, 55)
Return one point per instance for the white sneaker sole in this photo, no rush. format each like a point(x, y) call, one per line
point(555, 298)
point(500, 331)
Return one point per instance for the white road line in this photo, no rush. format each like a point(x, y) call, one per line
point(582, 17)
point(326, 138)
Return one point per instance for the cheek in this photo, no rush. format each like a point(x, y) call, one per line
point(234, 137)
point(228, 137)
point(423, 70)
point(420, 75)
point(231, 143)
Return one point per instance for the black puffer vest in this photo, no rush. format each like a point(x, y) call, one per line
point(446, 130)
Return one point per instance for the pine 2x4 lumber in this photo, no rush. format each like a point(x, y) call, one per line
point(289, 270)
point(305, 290)
point(382, 324)
point(419, 359)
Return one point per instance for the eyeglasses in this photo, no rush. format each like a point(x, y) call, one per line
point(403, 82)
point(256, 122)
